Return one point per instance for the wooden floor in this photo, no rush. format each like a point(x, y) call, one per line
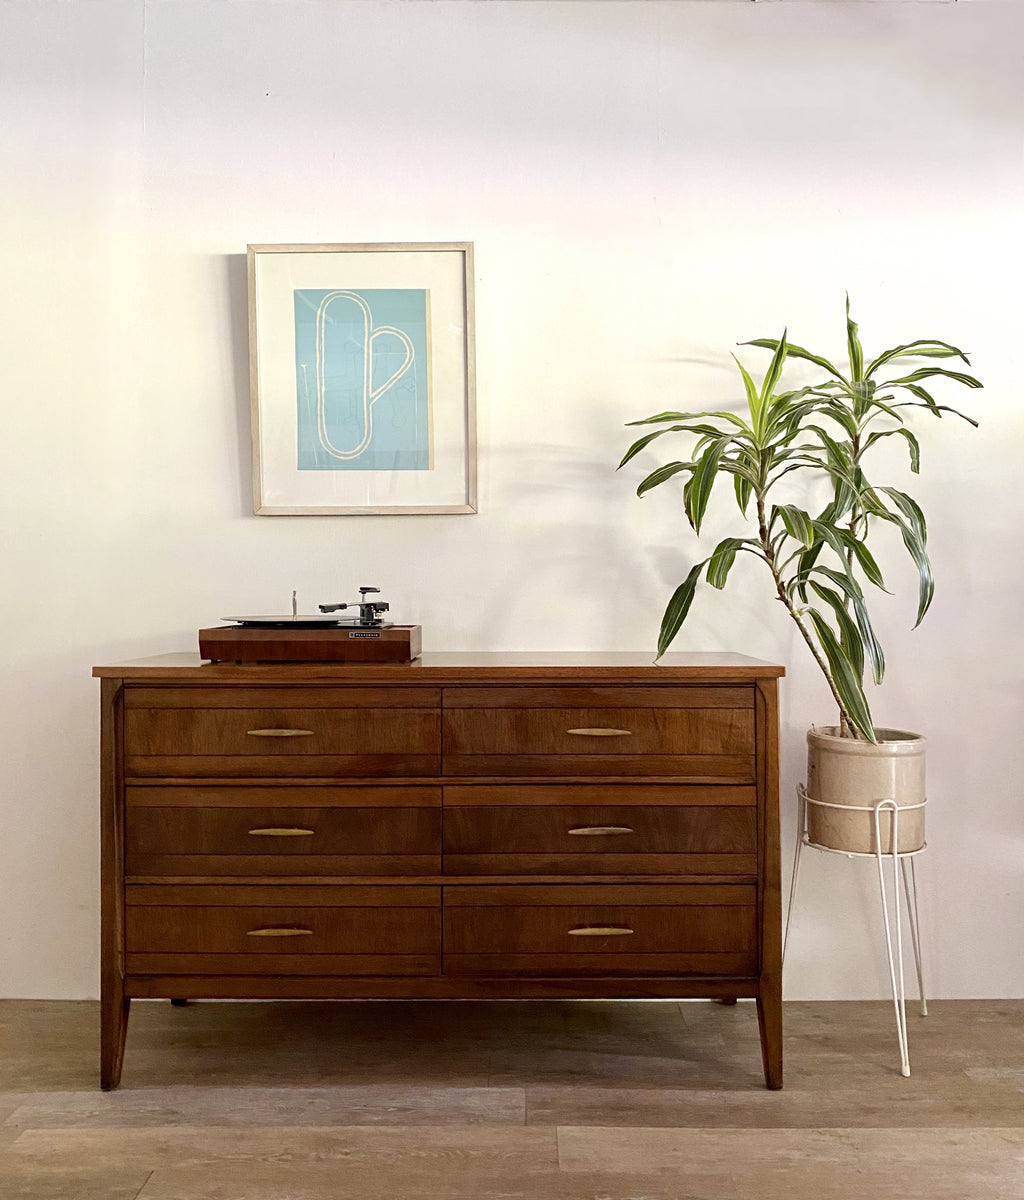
point(517, 1101)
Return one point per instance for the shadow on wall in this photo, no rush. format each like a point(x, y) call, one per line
point(236, 282)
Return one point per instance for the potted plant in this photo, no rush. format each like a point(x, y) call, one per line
point(821, 565)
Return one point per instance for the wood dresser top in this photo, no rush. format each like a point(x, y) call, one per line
point(463, 667)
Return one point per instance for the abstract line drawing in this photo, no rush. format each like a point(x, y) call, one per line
point(370, 394)
point(362, 379)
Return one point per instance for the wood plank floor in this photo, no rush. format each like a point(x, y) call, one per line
point(511, 1101)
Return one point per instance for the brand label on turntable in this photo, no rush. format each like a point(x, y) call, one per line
point(363, 633)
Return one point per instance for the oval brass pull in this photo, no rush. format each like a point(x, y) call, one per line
point(279, 931)
point(279, 732)
point(595, 830)
point(283, 831)
point(600, 732)
point(600, 931)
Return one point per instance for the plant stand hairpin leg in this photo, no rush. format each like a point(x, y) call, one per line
point(893, 925)
point(910, 888)
point(801, 841)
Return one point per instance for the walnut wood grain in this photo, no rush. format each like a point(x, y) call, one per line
point(535, 894)
point(565, 865)
point(616, 668)
point(287, 794)
point(282, 697)
point(650, 829)
point(549, 929)
point(192, 867)
point(729, 982)
point(317, 731)
point(236, 895)
point(621, 795)
point(769, 996)
point(285, 966)
point(195, 929)
point(644, 731)
point(691, 768)
point(364, 769)
point(570, 697)
point(225, 767)
point(304, 831)
point(674, 964)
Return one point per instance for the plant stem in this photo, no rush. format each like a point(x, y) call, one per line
point(845, 725)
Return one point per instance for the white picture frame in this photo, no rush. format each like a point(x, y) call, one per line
point(362, 378)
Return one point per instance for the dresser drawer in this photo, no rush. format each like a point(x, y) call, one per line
point(282, 731)
point(636, 829)
point(282, 930)
point(600, 929)
point(695, 732)
point(309, 831)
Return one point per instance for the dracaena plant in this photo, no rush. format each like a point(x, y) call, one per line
point(787, 442)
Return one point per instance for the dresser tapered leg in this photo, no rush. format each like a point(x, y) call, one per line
point(114, 1005)
point(769, 1020)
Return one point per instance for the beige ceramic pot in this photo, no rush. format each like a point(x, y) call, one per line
point(853, 776)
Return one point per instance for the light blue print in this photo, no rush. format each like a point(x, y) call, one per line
point(362, 379)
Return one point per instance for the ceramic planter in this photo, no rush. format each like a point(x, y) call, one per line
point(852, 776)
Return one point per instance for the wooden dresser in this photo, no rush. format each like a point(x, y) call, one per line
point(463, 826)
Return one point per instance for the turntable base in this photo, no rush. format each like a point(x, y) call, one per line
point(356, 644)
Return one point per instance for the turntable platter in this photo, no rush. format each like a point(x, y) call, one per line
point(299, 621)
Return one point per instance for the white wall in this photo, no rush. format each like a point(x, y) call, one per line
point(646, 184)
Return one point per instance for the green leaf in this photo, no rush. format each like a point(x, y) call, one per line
point(926, 581)
point(861, 638)
point(910, 509)
point(846, 680)
point(839, 460)
point(866, 560)
point(668, 471)
point(843, 580)
point(773, 373)
point(849, 634)
point(832, 538)
point(912, 442)
point(793, 351)
point(854, 347)
point(932, 373)
point(742, 486)
point(679, 416)
point(924, 348)
point(838, 412)
point(806, 565)
point(702, 481)
point(722, 558)
point(914, 538)
point(678, 607)
point(798, 523)
point(879, 405)
point(753, 399)
point(638, 445)
point(870, 643)
point(929, 402)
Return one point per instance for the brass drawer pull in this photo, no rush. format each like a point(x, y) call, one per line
point(600, 931)
point(279, 732)
point(283, 831)
point(600, 732)
point(595, 830)
point(279, 931)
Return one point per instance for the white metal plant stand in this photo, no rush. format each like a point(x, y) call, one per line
point(902, 864)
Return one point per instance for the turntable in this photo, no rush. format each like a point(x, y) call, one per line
point(314, 637)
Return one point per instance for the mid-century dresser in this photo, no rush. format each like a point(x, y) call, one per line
point(465, 826)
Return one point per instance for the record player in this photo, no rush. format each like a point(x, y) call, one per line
point(315, 637)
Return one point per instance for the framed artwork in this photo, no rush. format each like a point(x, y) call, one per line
point(361, 362)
